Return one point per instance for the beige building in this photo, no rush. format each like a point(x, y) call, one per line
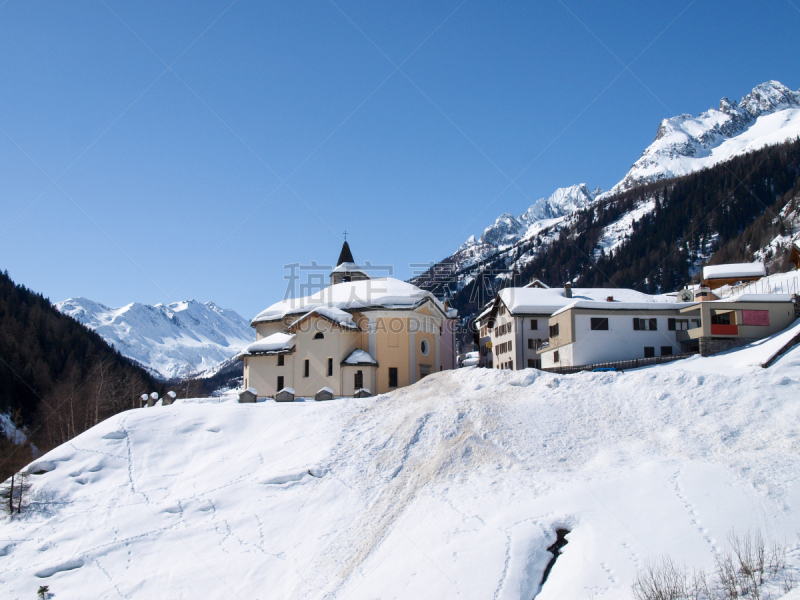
point(360, 333)
point(717, 325)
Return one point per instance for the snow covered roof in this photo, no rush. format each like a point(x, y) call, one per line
point(348, 267)
point(383, 292)
point(331, 313)
point(730, 271)
point(289, 390)
point(325, 389)
point(272, 344)
point(359, 357)
point(549, 300)
point(615, 305)
point(757, 298)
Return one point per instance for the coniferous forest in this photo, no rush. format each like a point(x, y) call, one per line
point(57, 378)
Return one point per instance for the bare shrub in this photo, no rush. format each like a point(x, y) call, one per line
point(748, 570)
point(661, 580)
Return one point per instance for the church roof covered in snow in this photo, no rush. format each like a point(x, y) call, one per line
point(384, 292)
point(276, 343)
point(360, 357)
point(348, 267)
point(332, 314)
point(735, 270)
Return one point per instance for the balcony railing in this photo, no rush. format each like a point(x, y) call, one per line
point(717, 329)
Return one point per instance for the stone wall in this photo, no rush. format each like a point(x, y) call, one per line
point(710, 345)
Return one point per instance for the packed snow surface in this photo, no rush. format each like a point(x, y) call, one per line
point(755, 269)
point(173, 340)
point(450, 488)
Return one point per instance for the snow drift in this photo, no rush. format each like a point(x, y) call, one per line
point(453, 487)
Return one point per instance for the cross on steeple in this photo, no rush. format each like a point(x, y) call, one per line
point(345, 235)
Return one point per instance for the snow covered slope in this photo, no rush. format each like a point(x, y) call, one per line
point(768, 115)
point(174, 340)
point(450, 488)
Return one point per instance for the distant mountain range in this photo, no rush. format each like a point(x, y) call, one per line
point(768, 115)
point(171, 340)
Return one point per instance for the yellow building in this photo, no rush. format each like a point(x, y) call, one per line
point(360, 333)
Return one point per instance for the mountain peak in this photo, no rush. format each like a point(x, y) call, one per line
point(684, 143)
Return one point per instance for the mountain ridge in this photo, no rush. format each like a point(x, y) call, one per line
point(175, 340)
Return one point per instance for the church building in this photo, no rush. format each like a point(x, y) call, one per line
point(360, 334)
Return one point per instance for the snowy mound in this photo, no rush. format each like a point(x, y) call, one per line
point(173, 340)
point(453, 487)
point(768, 115)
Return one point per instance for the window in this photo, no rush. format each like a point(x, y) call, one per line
point(318, 336)
point(424, 347)
point(534, 324)
point(358, 380)
point(556, 358)
point(554, 330)
point(649, 351)
point(392, 377)
point(281, 358)
point(534, 363)
point(280, 383)
point(666, 350)
point(599, 323)
point(695, 323)
point(306, 367)
point(330, 367)
point(677, 324)
point(531, 344)
point(721, 319)
point(645, 324)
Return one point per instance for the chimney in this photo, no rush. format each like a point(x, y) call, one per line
point(610, 299)
point(567, 290)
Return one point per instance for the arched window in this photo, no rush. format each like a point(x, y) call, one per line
point(318, 335)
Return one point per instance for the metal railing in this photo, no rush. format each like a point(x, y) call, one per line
point(620, 365)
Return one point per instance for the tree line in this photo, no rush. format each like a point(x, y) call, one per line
point(57, 377)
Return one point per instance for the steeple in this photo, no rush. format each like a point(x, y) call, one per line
point(345, 255)
point(346, 269)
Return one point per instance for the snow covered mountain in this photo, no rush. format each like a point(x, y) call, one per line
point(451, 488)
point(769, 114)
point(508, 230)
point(173, 340)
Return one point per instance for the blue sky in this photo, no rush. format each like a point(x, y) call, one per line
point(156, 152)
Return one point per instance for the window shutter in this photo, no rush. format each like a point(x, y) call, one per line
point(653, 324)
point(636, 324)
point(671, 324)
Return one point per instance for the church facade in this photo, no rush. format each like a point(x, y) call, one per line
point(360, 334)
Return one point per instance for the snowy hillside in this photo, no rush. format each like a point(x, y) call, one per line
point(768, 115)
point(173, 340)
point(451, 488)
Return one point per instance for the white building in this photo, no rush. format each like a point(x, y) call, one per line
point(589, 332)
point(517, 323)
